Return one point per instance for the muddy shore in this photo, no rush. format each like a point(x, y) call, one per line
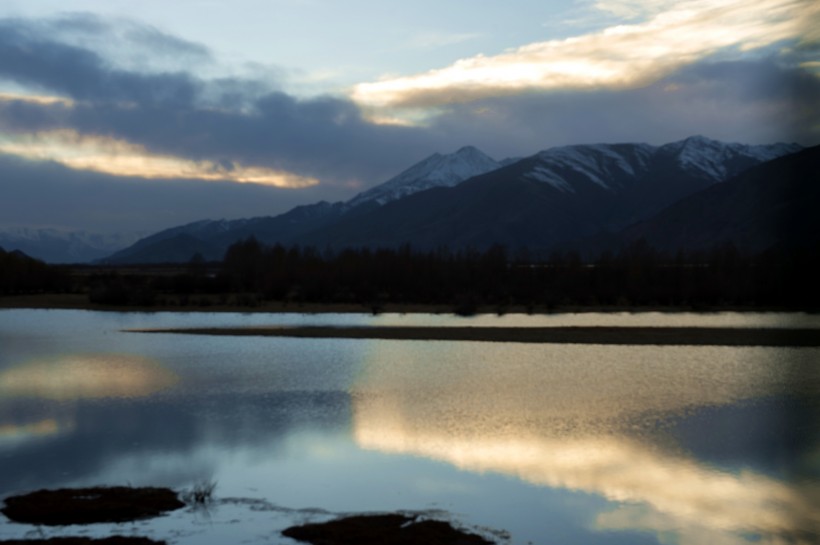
point(74, 301)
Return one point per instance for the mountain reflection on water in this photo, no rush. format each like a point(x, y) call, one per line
point(553, 443)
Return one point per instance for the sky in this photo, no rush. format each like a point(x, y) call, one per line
point(135, 116)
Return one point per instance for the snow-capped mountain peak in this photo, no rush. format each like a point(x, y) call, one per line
point(609, 165)
point(436, 170)
point(717, 160)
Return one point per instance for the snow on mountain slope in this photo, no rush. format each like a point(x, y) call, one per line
point(602, 164)
point(63, 246)
point(719, 160)
point(435, 171)
point(608, 164)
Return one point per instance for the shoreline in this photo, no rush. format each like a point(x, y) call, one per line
point(657, 336)
point(80, 302)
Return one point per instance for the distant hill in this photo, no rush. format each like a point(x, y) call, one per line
point(552, 199)
point(20, 273)
point(211, 238)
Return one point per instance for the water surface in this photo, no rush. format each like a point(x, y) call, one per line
point(553, 443)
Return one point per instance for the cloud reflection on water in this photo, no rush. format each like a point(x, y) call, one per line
point(92, 376)
point(13, 434)
point(591, 418)
point(33, 395)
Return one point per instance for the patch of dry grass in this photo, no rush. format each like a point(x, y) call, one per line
point(90, 505)
point(382, 529)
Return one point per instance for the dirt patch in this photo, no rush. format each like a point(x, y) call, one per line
point(116, 540)
point(90, 505)
point(381, 529)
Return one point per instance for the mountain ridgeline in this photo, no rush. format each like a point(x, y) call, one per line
point(690, 195)
point(63, 246)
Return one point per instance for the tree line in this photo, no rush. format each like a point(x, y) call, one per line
point(638, 275)
point(21, 274)
point(465, 280)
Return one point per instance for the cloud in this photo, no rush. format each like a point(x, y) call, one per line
point(121, 158)
point(617, 57)
point(48, 194)
point(752, 101)
point(145, 122)
point(241, 121)
point(633, 9)
point(29, 59)
point(121, 42)
point(178, 116)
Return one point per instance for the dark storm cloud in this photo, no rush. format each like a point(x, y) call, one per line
point(242, 120)
point(176, 112)
point(172, 111)
point(37, 193)
point(760, 101)
point(20, 116)
point(769, 79)
point(89, 30)
point(324, 137)
point(29, 59)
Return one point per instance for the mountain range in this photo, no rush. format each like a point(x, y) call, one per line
point(686, 194)
point(64, 246)
point(554, 199)
point(583, 197)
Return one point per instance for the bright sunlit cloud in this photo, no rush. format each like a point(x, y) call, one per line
point(122, 158)
point(617, 57)
point(41, 100)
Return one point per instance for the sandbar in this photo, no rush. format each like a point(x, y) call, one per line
point(663, 336)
